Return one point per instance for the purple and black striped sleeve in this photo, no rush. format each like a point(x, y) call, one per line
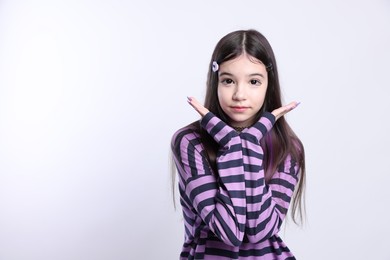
point(218, 198)
point(267, 204)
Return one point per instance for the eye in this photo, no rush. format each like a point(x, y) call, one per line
point(227, 81)
point(255, 82)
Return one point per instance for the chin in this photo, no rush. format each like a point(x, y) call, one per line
point(240, 121)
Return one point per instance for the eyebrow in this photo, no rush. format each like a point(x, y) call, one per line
point(251, 75)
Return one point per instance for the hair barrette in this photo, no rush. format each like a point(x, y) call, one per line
point(215, 66)
point(269, 67)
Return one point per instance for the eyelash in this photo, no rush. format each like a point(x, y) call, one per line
point(225, 81)
point(230, 81)
point(257, 82)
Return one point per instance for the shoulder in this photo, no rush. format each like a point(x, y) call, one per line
point(295, 157)
point(289, 165)
point(187, 134)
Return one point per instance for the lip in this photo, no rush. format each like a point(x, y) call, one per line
point(238, 108)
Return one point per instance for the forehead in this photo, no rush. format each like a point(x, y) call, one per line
point(242, 63)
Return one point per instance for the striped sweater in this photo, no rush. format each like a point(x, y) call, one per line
point(232, 214)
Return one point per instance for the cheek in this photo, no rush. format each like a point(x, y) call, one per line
point(221, 96)
point(259, 97)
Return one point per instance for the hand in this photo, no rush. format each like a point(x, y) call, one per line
point(281, 111)
point(197, 106)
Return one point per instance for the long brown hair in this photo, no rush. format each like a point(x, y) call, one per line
point(281, 140)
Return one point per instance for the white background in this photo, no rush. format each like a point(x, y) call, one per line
point(92, 91)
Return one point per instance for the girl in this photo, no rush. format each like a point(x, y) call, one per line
point(239, 165)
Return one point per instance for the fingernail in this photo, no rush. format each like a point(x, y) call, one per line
point(298, 103)
point(189, 98)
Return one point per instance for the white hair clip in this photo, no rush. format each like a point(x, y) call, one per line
point(215, 66)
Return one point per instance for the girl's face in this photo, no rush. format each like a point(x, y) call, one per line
point(241, 89)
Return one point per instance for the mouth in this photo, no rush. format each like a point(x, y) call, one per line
point(239, 108)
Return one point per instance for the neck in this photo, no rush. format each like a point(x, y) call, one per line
point(239, 128)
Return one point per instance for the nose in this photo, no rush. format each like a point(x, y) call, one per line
point(239, 93)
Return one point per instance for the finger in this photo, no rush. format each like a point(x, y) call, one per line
point(279, 112)
point(193, 102)
point(293, 105)
point(189, 100)
point(197, 106)
point(287, 108)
